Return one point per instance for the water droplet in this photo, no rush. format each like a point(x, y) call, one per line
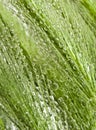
point(27, 113)
point(88, 69)
point(55, 86)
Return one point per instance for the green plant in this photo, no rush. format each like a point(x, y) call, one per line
point(48, 64)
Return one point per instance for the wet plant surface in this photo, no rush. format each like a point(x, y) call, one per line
point(47, 65)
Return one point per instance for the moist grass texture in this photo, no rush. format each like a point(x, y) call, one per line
point(47, 65)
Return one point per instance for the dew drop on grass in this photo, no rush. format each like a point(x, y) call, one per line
point(55, 86)
point(88, 69)
point(52, 98)
point(27, 113)
point(61, 45)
